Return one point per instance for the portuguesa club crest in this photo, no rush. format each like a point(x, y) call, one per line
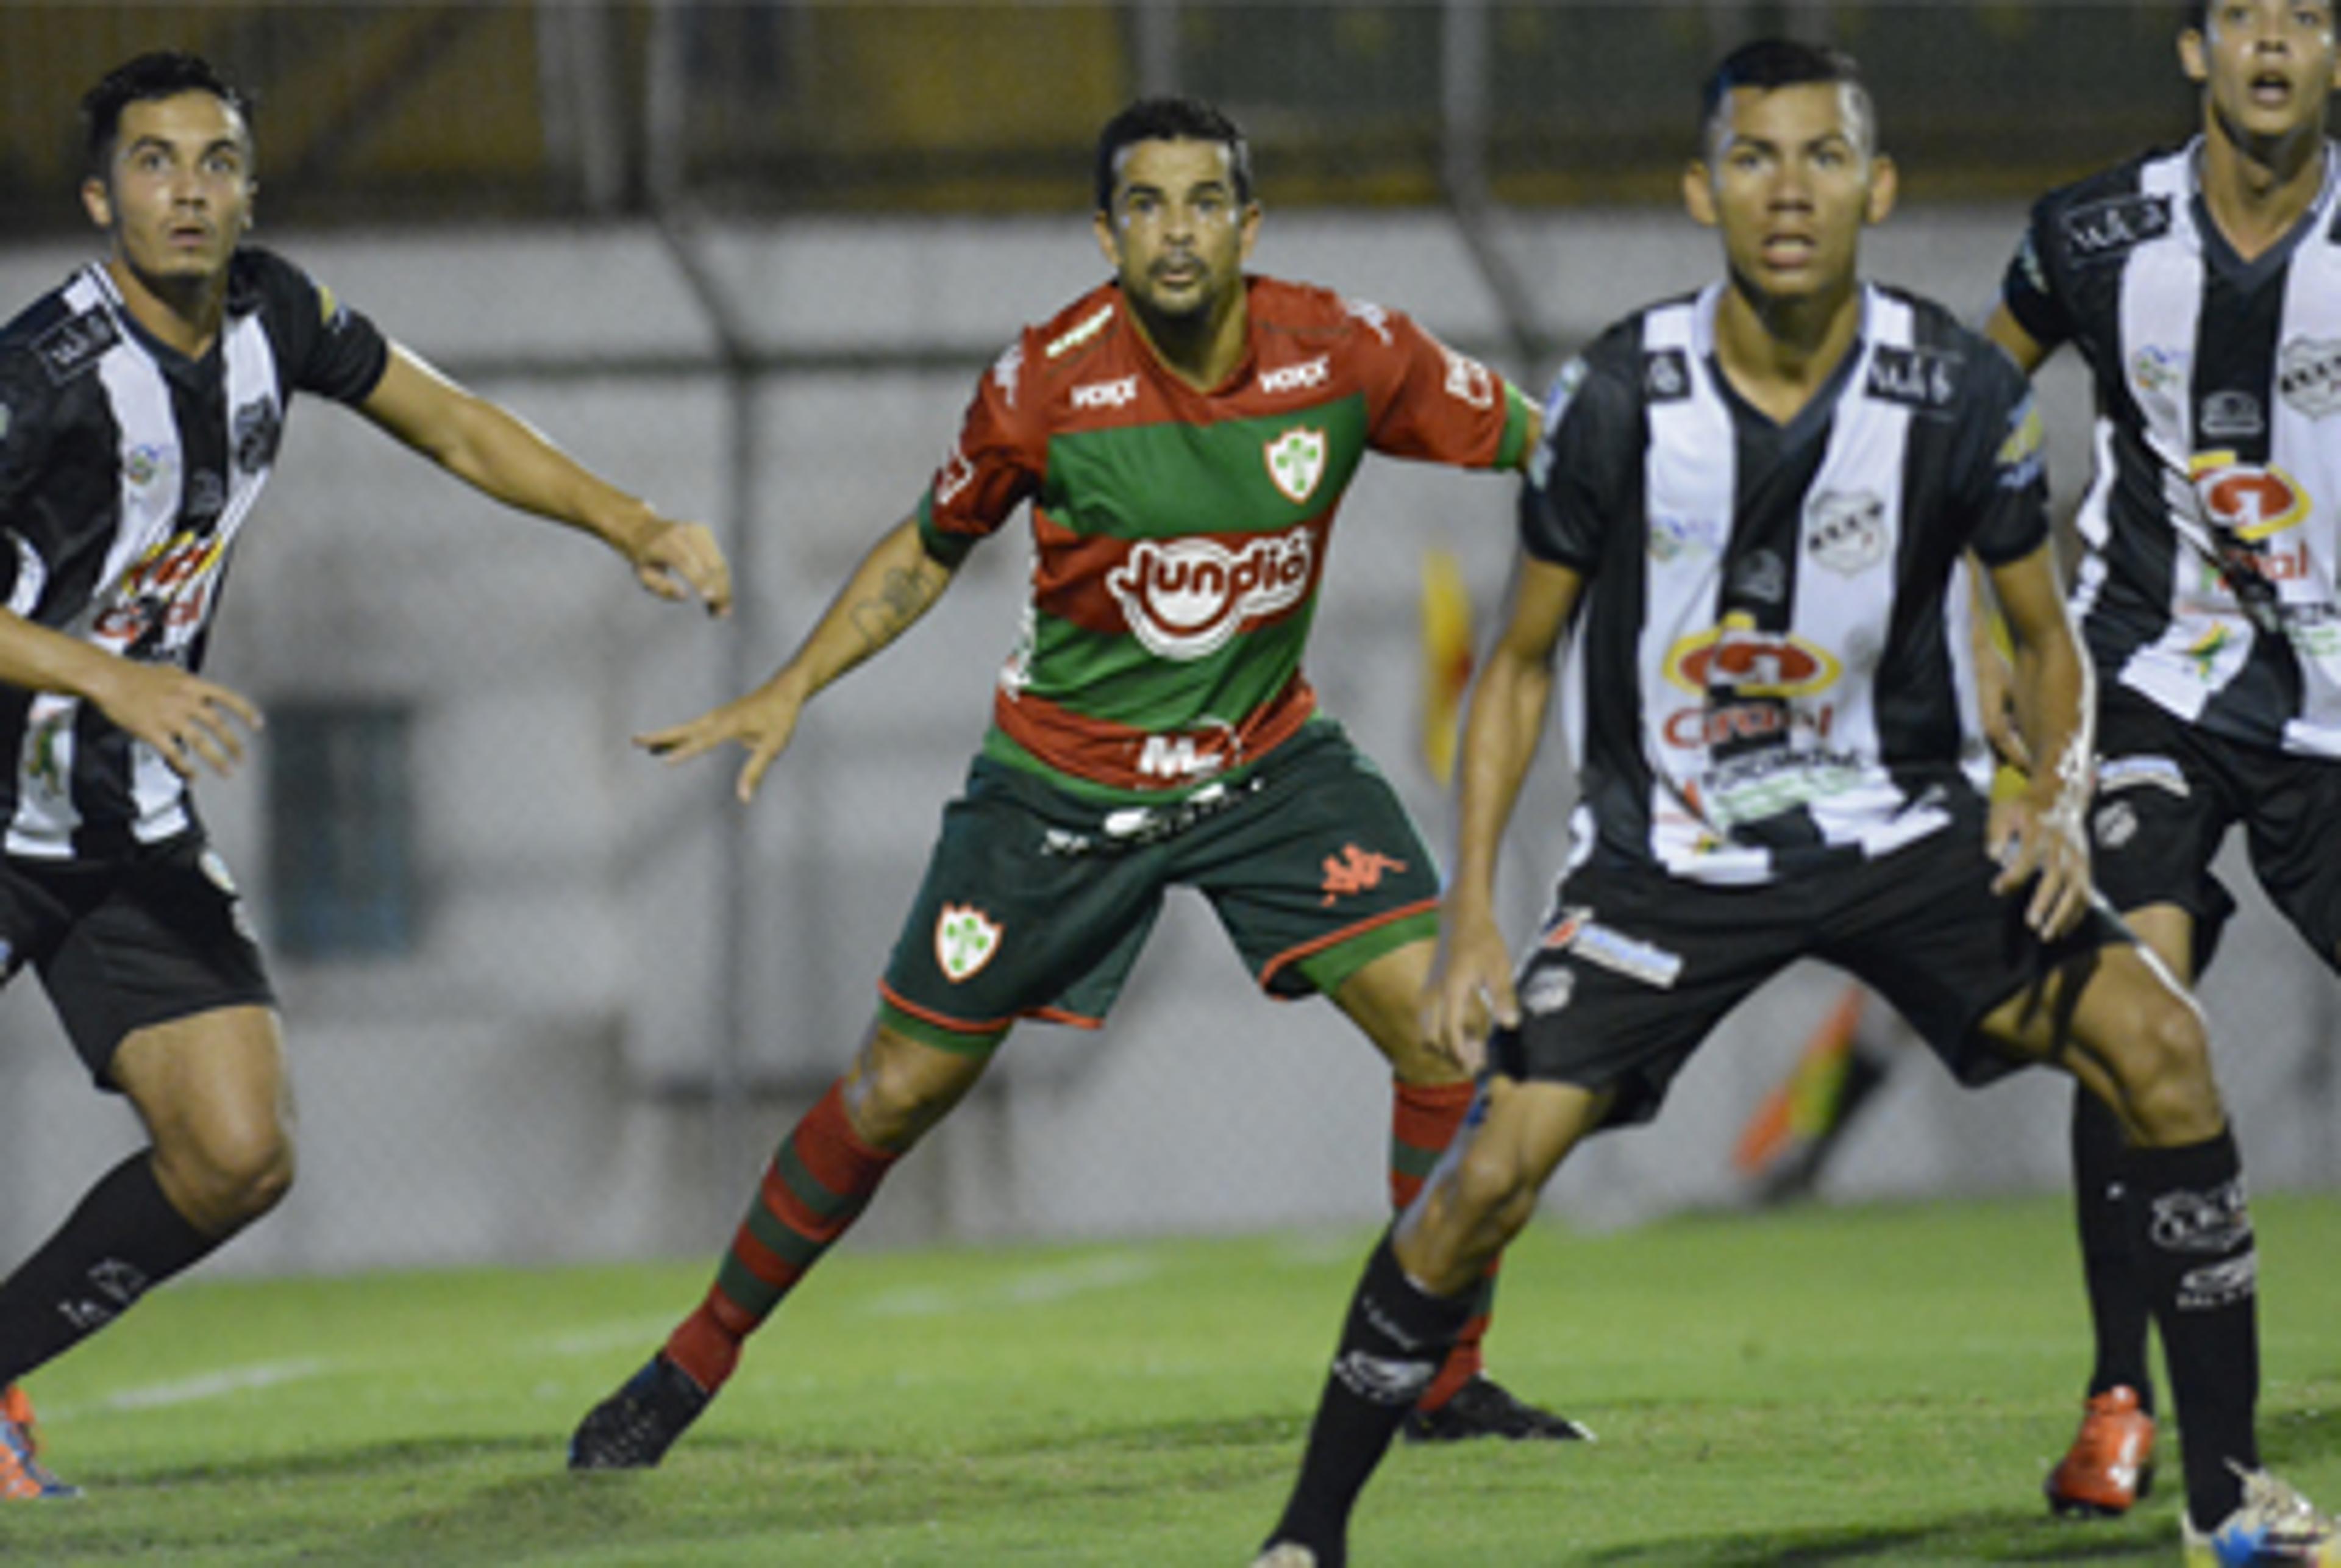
point(1296, 461)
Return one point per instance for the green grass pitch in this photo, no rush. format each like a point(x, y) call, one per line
point(1862, 1386)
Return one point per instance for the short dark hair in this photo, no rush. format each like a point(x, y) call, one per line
point(161, 74)
point(1772, 63)
point(1170, 120)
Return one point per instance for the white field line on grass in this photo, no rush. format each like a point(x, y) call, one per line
point(1035, 1288)
point(205, 1385)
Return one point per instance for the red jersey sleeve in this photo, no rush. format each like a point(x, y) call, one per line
point(994, 466)
point(1425, 401)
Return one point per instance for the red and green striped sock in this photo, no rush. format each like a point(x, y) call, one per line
point(1424, 1119)
point(817, 1185)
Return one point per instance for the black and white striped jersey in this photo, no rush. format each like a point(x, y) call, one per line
point(1771, 667)
point(125, 470)
point(2207, 584)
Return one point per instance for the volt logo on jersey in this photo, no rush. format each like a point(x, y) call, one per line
point(1184, 598)
point(2251, 502)
point(1749, 662)
point(1296, 461)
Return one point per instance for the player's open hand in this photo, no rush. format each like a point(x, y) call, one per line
point(762, 721)
point(183, 716)
point(675, 560)
point(1469, 991)
point(2044, 846)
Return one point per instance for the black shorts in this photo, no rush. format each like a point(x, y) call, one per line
point(122, 945)
point(1634, 967)
point(2168, 793)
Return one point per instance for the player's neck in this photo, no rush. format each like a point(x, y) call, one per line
point(1201, 351)
point(183, 314)
point(2257, 192)
point(1779, 352)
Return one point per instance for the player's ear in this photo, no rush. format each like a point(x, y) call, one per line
point(1884, 185)
point(97, 202)
point(1698, 193)
point(1108, 243)
point(2191, 57)
point(1248, 231)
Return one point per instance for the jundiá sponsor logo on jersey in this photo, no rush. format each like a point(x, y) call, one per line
point(1185, 598)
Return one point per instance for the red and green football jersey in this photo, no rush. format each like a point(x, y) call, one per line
point(1178, 537)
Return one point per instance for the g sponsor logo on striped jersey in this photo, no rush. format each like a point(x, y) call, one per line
point(1185, 598)
point(1739, 658)
point(2251, 502)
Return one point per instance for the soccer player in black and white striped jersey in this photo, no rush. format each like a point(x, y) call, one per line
point(140, 409)
point(1748, 515)
point(2202, 285)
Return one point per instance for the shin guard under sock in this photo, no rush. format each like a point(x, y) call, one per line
point(1424, 1119)
point(2118, 1313)
point(124, 1239)
point(817, 1185)
point(2200, 1268)
point(1391, 1344)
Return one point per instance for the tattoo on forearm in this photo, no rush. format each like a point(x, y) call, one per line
point(902, 596)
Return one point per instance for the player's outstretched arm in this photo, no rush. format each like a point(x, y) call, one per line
point(896, 583)
point(183, 716)
point(1470, 986)
point(2040, 829)
point(497, 453)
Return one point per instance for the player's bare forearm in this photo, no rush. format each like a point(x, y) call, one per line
point(503, 456)
point(896, 583)
point(2039, 833)
point(1504, 723)
point(182, 716)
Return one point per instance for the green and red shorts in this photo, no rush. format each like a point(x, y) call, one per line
point(1037, 901)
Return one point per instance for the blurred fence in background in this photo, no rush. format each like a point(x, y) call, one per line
point(376, 113)
point(548, 1000)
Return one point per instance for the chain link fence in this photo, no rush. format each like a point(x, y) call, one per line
point(549, 1000)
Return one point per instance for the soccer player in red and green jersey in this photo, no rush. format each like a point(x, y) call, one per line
point(1183, 433)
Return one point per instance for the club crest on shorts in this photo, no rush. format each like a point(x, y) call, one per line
point(965, 940)
point(1296, 461)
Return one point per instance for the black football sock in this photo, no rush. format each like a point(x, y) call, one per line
point(1391, 1346)
point(2118, 1313)
point(124, 1240)
point(2201, 1273)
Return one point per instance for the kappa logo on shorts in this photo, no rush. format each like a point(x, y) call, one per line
point(965, 940)
point(2115, 825)
point(1355, 870)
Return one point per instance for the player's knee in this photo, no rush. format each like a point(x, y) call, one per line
point(1493, 1195)
point(2165, 1074)
point(898, 1089)
point(225, 1177)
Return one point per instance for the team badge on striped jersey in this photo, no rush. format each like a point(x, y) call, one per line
point(965, 940)
point(1296, 461)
